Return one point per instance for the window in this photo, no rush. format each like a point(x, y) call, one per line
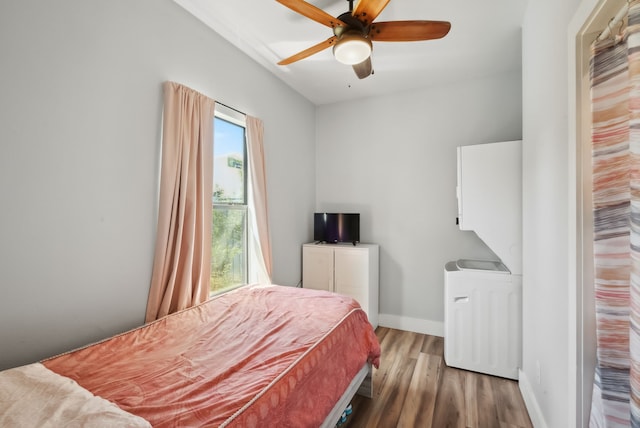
point(229, 256)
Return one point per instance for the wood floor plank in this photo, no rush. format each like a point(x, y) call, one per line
point(415, 388)
point(450, 406)
point(390, 381)
point(470, 401)
point(384, 408)
point(381, 332)
point(506, 425)
point(394, 375)
point(403, 344)
point(485, 401)
point(420, 400)
point(394, 348)
point(433, 345)
point(392, 401)
point(509, 402)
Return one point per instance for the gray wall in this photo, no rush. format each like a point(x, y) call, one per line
point(80, 120)
point(393, 159)
point(546, 222)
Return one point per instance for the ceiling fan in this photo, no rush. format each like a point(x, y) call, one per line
point(354, 31)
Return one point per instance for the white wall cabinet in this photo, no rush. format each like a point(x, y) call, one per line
point(344, 269)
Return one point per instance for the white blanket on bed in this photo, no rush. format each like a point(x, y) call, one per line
point(34, 396)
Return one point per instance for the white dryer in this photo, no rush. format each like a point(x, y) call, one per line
point(483, 317)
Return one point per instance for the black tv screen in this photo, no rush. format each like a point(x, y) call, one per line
point(336, 227)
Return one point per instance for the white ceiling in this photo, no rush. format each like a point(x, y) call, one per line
point(484, 39)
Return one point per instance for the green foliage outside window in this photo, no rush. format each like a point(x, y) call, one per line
point(227, 255)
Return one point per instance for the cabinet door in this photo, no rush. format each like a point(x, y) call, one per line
point(317, 268)
point(352, 274)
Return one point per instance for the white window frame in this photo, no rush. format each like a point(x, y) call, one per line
point(230, 115)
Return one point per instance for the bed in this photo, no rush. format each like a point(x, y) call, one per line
point(256, 356)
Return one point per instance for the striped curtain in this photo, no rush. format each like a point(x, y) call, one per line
point(615, 102)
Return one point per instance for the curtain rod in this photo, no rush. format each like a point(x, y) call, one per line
point(231, 108)
point(614, 21)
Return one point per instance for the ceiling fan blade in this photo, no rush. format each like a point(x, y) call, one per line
point(368, 10)
point(310, 51)
point(364, 69)
point(322, 4)
point(408, 31)
point(312, 12)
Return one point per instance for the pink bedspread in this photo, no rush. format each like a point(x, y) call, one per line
point(256, 357)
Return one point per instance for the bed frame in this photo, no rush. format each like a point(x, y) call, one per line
point(362, 384)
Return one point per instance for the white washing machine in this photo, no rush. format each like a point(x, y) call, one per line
point(483, 317)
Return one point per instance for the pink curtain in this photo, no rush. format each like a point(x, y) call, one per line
point(257, 174)
point(181, 268)
point(615, 103)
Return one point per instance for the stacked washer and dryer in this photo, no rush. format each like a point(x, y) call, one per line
point(483, 298)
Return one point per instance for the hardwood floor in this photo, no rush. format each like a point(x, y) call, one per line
point(414, 388)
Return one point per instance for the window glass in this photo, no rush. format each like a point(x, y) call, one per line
point(228, 165)
point(229, 228)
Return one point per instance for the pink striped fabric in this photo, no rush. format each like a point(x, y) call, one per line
point(615, 99)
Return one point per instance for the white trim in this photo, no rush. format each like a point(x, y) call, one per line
point(590, 18)
point(537, 419)
point(230, 115)
point(416, 325)
point(574, 311)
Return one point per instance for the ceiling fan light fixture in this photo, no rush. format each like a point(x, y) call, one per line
point(352, 48)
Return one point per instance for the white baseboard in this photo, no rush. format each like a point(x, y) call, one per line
point(530, 401)
point(416, 325)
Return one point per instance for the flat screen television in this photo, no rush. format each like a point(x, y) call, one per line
point(336, 227)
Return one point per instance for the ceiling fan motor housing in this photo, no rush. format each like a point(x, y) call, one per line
point(353, 45)
point(352, 22)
